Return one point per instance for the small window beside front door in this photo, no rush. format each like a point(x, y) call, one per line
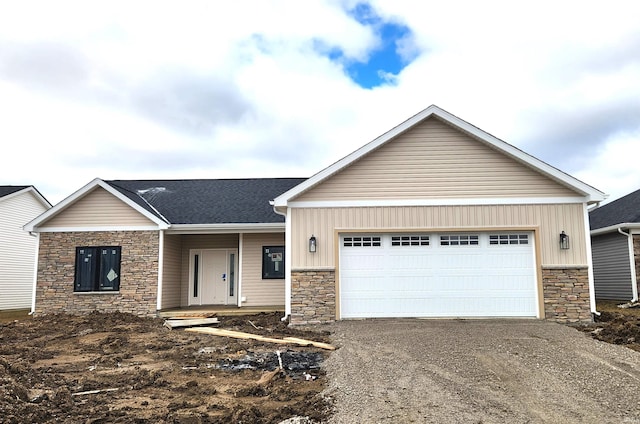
point(272, 262)
point(232, 274)
point(196, 270)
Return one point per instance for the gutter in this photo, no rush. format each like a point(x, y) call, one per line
point(287, 258)
point(613, 228)
point(634, 282)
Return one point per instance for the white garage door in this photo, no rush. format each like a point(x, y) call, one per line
point(437, 275)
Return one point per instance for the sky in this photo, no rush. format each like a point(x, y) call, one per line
point(278, 88)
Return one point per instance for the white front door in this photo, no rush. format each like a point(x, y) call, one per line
point(212, 277)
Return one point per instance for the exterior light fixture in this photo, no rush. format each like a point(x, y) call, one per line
point(564, 241)
point(313, 244)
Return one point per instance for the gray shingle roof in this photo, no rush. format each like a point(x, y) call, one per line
point(228, 201)
point(7, 190)
point(624, 210)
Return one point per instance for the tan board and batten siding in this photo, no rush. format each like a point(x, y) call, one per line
point(549, 220)
point(259, 292)
point(17, 250)
point(435, 161)
point(97, 208)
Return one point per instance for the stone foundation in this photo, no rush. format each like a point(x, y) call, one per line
point(138, 273)
point(566, 295)
point(313, 297)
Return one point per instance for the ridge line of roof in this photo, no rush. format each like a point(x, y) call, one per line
point(208, 179)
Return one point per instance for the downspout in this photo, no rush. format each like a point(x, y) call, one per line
point(634, 282)
point(160, 269)
point(240, 262)
point(592, 286)
point(35, 273)
point(287, 262)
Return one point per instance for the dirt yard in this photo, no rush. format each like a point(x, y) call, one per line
point(616, 325)
point(119, 368)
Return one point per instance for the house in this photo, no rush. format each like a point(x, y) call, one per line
point(18, 205)
point(615, 242)
point(435, 218)
point(146, 246)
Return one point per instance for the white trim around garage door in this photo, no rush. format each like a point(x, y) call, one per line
point(431, 274)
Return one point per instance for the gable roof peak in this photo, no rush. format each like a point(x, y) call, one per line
point(591, 194)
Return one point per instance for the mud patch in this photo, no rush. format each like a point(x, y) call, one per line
point(121, 368)
point(621, 328)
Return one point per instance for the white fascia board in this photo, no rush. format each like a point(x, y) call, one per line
point(436, 202)
point(633, 226)
point(68, 201)
point(96, 228)
point(275, 227)
point(593, 195)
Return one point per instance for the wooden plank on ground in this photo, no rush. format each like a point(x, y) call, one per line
point(173, 323)
point(243, 335)
point(311, 343)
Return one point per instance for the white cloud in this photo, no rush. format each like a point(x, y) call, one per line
point(199, 89)
point(615, 168)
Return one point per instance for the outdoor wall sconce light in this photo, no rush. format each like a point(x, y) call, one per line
point(564, 241)
point(313, 244)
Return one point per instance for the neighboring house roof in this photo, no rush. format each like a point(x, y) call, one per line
point(190, 203)
point(7, 191)
point(623, 212)
point(590, 194)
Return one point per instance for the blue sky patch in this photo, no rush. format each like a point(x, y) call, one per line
point(384, 63)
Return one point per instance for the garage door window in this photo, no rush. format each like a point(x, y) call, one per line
point(410, 240)
point(459, 240)
point(362, 241)
point(497, 239)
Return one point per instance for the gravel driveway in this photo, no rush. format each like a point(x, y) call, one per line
point(479, 371)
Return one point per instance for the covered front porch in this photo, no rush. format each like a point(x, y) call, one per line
point(220, 272)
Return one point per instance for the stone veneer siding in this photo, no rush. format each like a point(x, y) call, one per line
point(313, 297)
point(566, 295)
point(138, 273)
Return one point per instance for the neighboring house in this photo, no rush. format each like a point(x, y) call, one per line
point(435, 218)
point(18, 205)
point(615, 242)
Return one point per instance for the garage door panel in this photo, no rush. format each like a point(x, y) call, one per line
point(438, 280)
